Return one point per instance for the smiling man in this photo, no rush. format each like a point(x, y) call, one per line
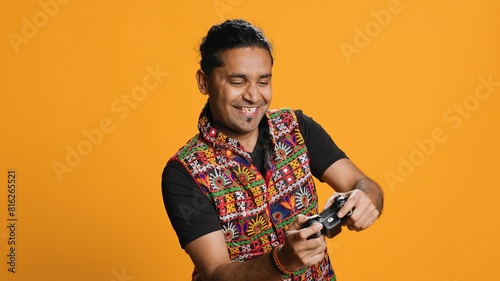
point(239, 192)
point(239, 92)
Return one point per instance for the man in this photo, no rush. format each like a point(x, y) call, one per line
point(239, 192)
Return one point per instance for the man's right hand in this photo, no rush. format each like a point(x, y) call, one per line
point(210, 256)
point(298, 252)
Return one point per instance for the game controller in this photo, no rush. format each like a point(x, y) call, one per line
point(332, 224)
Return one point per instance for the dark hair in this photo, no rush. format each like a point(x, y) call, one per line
point(230, 34)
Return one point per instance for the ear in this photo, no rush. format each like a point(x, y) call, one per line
point(202, 80)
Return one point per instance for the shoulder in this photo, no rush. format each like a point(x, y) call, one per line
point(295, 113)
point(281, 111)
point(192, 145)
point(285, 114)
point(291, 117)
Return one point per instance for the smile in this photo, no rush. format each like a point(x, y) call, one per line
point(248, 110)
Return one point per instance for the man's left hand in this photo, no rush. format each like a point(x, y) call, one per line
point(364, 212)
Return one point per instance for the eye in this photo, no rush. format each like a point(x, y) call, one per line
point(237, 83)
point(263, 82)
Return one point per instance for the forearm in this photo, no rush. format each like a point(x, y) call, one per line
point(260, 268)
point(373, 191)
point(210, 257)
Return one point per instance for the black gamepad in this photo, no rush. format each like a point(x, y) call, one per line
point(332, 224)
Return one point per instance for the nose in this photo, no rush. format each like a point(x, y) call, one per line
point(251, 93)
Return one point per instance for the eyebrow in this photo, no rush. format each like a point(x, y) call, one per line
point(237, 75)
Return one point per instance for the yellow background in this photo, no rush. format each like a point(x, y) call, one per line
point(392, 102)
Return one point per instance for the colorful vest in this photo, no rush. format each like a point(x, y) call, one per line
point(255, 210)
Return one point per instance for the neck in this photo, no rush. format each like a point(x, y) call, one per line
point(247, 140)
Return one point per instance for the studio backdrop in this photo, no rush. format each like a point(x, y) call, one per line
point(98, 95)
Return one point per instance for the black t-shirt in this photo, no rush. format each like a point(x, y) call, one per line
point(192, 214)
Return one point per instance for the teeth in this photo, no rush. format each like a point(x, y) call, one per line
point(248, 109)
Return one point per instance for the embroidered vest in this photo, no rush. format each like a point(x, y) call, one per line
point(255, 210)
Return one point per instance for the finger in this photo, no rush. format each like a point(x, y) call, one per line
point(371, 216)
point(300, 232)
point(329, 202)
point(307, 232)
point(359, 210)
point(358, 224)
point(362, 224)
point(318, 255)
point(348, 206)
point(352, 227)
point(368, 223)
point(298, 223)
point(363, 218)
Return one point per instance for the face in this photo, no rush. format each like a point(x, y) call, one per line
point(239, 91)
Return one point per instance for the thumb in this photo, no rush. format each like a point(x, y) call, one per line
point(299, 222)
